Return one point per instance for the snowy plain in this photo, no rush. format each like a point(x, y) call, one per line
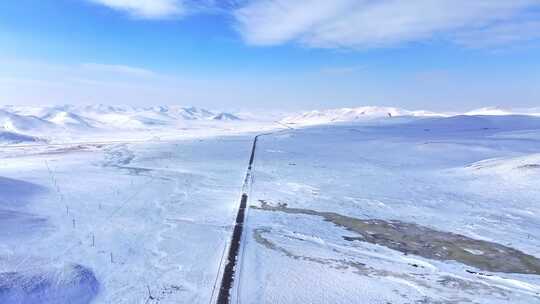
point(105, 204)
point(476, 176)
point(150, 220)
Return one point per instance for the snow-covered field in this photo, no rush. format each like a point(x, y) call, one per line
point(361, 213)
point(119, 223)
point(129, 205)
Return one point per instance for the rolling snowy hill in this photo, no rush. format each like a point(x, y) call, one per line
point(15, 138)
point(500, 111)
point(19, 123)
point(225, 116)
point(350, 114)
point(367, 113)
point(25, 123)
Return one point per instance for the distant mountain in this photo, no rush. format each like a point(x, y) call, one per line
point(196, 113)
point(12, 122)
point(129, 116)
point(226, 116)
point(501, 111)
point(15, 138)
point(372, 112)
point(30, 123)
point(52, 120)
point(350, 114)
point(67, 119)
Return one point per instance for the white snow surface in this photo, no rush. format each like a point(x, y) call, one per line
point(116, 204)
point(451, 174)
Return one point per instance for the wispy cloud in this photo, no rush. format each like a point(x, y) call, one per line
point(357, 24)
point(266, 22)
point(118, 69)
point(166, 9)
point(148, 9)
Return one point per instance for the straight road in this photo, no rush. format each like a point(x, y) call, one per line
point(227, 280)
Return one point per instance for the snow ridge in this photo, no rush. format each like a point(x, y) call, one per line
point(351, 114)
point(26, 123)
point(31, 123)
point(366, 113)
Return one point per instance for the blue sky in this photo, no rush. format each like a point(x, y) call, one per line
point(281, 54)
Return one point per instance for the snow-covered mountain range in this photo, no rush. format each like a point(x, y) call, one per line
point(366, 113)
point(350, 114)
point(33, 123)
point(503, 111)
point(30, 123)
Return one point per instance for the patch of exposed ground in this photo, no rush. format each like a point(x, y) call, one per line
point(410, 238)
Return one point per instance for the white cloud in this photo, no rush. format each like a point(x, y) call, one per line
point(164, 9)
point(361, 24)
point(148, 9)
point(265, 22)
